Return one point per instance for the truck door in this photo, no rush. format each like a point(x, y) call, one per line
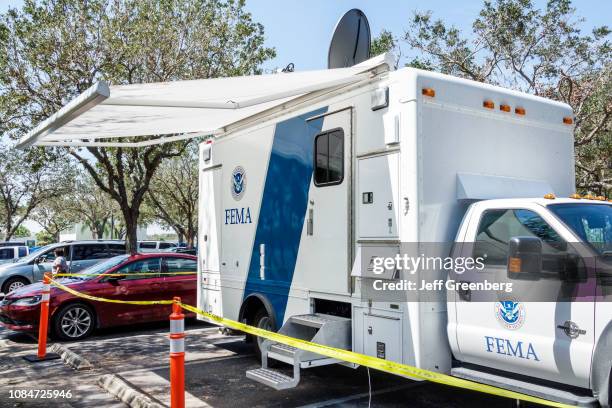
point(525, 337)
point(326, 235)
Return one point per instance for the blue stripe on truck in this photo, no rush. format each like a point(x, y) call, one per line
point(283, 207)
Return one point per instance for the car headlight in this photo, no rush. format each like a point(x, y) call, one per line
point(28, 301)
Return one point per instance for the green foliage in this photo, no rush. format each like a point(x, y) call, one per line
point(53, 50)
point(22, 232)
point(540, 51)
point(44, 238)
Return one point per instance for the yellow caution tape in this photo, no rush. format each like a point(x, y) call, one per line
point(76, 275)
point(340, 354)
point(99, 299)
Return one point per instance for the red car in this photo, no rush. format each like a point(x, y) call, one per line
point(74, 318)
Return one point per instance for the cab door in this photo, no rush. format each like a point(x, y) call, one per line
point(518, 333)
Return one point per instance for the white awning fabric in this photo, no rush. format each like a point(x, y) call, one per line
point(182, 109)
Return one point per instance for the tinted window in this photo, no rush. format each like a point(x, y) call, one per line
point(166, 245)
point(144, 269)
point(7, 253)
point(329, 158)
point(49, 256)
point(147, 245)
point(89, 251)
point(181, 265)
point(22, 251)
point(116, 249)
point(591, 222)
point(497, 227)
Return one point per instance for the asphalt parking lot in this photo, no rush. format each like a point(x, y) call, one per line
point(215, 375)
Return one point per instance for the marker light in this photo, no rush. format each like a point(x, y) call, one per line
point(504, 108)
point(488, 104)
point(576, 196)
point(428, 92)
point(519, 111)
point(567, 120)
point(549, 196)
point(588, 197)
point(514, 265)
point(600, 198)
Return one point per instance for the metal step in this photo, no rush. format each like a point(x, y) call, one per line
point(272, 378)
point(316, 320)
point(283, 349)
point(525, 387)
point(318, 328)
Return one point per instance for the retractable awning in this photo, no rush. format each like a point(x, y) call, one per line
point(181, 109)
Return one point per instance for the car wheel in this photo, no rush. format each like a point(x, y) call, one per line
point(263, 321)
point(74, 322)
point(15, 283)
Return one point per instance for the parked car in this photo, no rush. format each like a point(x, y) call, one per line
point(79, 255)
point(13, 253)
point(183, 250)
point(155, 246)
point(123, 277)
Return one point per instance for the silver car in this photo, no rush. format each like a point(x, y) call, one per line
point(79, 255)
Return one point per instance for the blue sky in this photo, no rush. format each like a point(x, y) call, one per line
point(301, 29)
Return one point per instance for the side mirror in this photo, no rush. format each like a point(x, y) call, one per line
point(114, 280)
point(525, 258)
point(38, 260)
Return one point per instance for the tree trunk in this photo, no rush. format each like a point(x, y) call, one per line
point(131, 231)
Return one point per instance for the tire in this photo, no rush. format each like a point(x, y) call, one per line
point(14, 283)
point(75, 321)
point(263, 321)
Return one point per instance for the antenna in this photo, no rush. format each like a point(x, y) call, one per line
point(350, 43)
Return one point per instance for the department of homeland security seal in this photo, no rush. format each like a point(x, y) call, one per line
point(238, 183)
point(510, 313)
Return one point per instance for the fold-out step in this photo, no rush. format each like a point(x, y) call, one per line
point(272, 378)
point(333, 331)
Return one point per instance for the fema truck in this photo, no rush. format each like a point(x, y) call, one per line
point(291, 202)
point(307, 179)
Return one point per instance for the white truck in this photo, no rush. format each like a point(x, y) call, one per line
point(13, 253)
point(291, 201)
point(307, 172)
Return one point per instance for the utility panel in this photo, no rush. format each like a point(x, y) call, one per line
point(377, 200)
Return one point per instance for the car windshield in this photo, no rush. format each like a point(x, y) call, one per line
point(93, 271)
point(36, 253)
point(591, 222)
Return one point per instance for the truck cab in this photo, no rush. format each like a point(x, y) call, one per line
point(555, 324)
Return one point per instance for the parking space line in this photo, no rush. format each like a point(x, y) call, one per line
point(353, 397)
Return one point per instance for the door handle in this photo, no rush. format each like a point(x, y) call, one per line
point(571, 329)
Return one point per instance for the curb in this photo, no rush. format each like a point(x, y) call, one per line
point(71, 358)
point(122, 390)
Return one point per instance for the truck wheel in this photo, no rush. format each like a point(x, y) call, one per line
point(15, 283)
point(74, 322)
point(263, 321)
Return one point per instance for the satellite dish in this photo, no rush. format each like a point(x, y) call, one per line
point(350, 43)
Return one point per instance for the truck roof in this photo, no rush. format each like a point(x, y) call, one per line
point(545, 201)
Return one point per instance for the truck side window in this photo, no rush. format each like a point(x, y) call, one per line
point(329, 158)
point(497, 227)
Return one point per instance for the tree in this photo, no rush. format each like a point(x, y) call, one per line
point(44, 238)
point(22, 232)
point(543, 52)
point(92, 206)
point(173, 196)
point(53, 50)
point(55, 215)
point(24, 187)
point(386, 42)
